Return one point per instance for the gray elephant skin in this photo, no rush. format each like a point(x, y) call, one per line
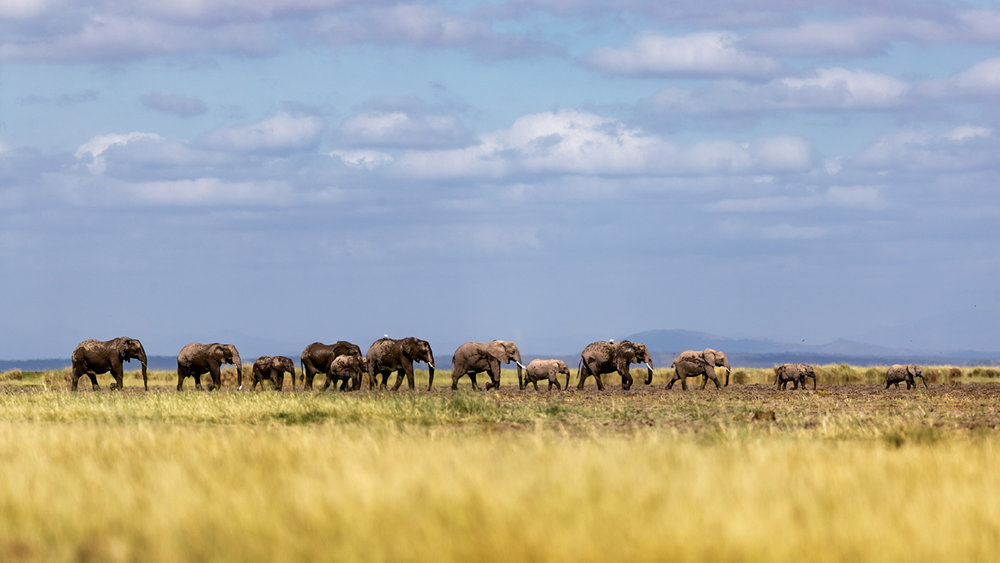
point(92, 357)
point(387, 355)
point(347, 368)
point(602, 357)
point(540, 370)
point(473, 358)
point(317, 356)
point(692, 363)
point(897, 373)
point(196, 359)
point(794, 373)
point(272, 368)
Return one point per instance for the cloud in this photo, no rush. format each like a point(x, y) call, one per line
point(209, 191)
point(574, 142)
point(965, 148)
point(68, 99)
point(402, 124)
point(102, 36)
point(366, 159)
point(91, 152)
point(283, 132)
point(423, 26)
point(848, 197)
point(981, 80)
point(854, 37)
point(825, 89)
point(695, 55)
point(174, 104)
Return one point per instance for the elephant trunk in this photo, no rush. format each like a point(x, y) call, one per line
point(520, 367)
point(924, 379)
point(430, 374)
point(145, 379)
point(726, 364)
point(814, 382)
point(649, 372)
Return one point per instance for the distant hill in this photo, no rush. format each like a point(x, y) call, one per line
point(664, 345)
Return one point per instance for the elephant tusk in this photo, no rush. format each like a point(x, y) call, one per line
point(647, 365)
point(520, 365)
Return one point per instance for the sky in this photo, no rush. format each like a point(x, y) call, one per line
point(274, 173)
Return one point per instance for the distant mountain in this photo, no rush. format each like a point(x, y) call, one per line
point(664, 345)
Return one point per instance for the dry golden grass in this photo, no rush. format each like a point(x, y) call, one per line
point(844, 473)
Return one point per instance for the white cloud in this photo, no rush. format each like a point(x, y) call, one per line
point(574, 142)
point(852, 37)
point(965, 148)
point(848, 197)
point(92, 151)
point(281, 133)
point(696, 54)
point(367, 159)
point(210, 191)
point(980, 80)
point(843, 88)
point(825, 89)
point(174, 104)
point(968, 132)
point(402, 128)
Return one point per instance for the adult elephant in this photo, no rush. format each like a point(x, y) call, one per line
point(92, 357)
point(602, 357)
point(473, 358)
point(272, 368)
point(387, 355)
point(907, 373)
point(692, 363)
point(195, 359)
point(317, 356)
point(794, 373)
point(545, 369)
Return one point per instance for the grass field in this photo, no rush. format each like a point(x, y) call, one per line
point(850, 471)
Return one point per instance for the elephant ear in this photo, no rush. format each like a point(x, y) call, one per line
point(627, 350)
point(709, 355)
point(500, 350)
point(912, 370)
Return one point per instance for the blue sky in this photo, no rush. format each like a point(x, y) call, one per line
point(274, 173)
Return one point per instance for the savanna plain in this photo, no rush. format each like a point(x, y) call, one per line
point(850, 471)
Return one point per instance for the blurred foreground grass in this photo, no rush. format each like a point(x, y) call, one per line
point(167, 476)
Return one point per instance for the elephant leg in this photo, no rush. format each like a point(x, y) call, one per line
point(475, 386)
point(600, 383)
point(585, 372)
point(408, 370)
point(197, 382)
point(93, 381)
point(454, 380)
point(75, 378)
point(399, 379)
point(120, 379)
point(343, 383)
point(626, 380)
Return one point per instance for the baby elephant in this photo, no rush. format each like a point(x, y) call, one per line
point(905, 373)
point(796, 373)
point(346, 368)
point(272, 368)
point(545, 369)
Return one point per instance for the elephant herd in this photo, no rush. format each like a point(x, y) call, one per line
point(343, 364)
